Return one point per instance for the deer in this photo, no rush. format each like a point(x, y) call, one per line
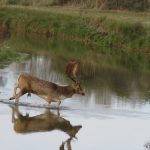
point(45, 122)
point(49, 91)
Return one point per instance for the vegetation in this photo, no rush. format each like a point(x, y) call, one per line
point(100, 31)
point(119, 39)
point(7, 56)
point(7, 53)
point(102, 4)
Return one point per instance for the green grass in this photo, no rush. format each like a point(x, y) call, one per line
point(130, 31)
point(123, 16)
point(8, 55)
point(118, 15)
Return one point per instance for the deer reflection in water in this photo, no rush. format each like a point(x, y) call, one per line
point(47, 121)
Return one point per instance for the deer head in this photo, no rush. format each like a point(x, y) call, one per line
point(78, 89)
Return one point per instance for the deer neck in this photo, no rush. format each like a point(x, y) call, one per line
point(66, 91)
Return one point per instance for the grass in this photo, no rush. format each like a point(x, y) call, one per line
point(118, 15)
point(103, 29)
point(8, 55)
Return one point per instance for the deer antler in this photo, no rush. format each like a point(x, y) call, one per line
point(72, 70)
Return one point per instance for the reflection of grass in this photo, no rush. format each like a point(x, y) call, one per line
point(93, 60)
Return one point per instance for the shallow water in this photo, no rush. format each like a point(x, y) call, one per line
point(113, 115)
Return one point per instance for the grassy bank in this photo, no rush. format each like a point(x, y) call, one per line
point(8, 54)
point(86, 26)
point(138, 5)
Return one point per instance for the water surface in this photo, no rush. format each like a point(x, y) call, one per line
point(114, 114)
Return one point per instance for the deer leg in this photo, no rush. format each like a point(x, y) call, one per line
point(69, 144)
point(58, 104)
point(15, 111)
point(13, 115)
point(14, 93)
point(29, 94)
point(62, 146)
point(49, 103)
point(15, 89)
point(21, 92)
point(58, 113)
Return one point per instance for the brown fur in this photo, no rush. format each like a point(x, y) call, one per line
point(49, 91)
point(72, 69)
point(44, 122)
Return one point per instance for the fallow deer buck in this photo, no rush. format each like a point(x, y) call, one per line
point(49, 91)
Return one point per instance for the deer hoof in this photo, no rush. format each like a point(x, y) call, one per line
point(11, 98)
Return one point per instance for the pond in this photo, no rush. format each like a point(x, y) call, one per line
point(114, 114)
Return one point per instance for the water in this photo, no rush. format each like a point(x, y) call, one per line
point(114, 114)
